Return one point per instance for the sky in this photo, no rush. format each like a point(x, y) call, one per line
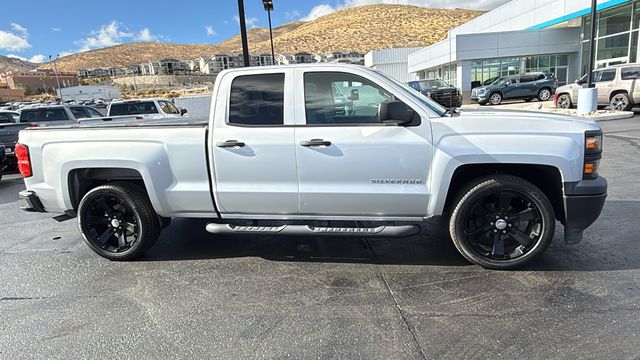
point(63, 27)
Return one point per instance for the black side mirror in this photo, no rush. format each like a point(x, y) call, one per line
point(183, 111)
point(355, 95)
point(395, 112)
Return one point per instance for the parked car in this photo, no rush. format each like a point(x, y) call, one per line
point(149, 109)
point(269, 161)
point(9, 129)
point(438, 90)
point(57, 114)
point(3, 160)
point(9, 115)
point(527, 86)
point(618, 86)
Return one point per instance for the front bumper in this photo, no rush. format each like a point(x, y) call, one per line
point(479, 98)
point(30, 202)
point(583, 203)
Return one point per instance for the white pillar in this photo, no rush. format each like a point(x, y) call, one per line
point(587, 100)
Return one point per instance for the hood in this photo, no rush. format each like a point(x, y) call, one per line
point(516, 122)
point(567, 88)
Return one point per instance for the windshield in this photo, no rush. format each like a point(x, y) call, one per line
point(430, 84)
point(416, 95)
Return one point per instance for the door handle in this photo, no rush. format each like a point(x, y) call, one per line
point(230, 143)
point(315, 142)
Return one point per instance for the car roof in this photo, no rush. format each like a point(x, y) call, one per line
point(136, 100)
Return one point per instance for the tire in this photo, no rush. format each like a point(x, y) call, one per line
point(118, 222)
point(495, 98)
point(544, 94)
point(501, 237)
point(620, 102)
point(564, 101)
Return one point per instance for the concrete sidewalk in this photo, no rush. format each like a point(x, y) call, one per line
point(548, 106)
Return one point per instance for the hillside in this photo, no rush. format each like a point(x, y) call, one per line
point(13, 64)
point(362, 28)
point(370, 27)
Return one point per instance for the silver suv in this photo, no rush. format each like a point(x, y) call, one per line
point(618, 87)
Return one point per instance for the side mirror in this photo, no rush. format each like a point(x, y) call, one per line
point(183, 111)
point(395, 112)
point(355, 95)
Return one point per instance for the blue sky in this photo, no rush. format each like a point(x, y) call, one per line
point(44, 28)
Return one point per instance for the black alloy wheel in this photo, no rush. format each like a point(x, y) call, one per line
point(117, 221)
point(502, 222)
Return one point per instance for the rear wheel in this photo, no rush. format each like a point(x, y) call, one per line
point(117, 221)
point(564, 101)
point(620, 102)
point(495, 98)
point(502, 222)
point(544, 94)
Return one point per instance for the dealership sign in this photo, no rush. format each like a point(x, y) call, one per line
point(35, 74)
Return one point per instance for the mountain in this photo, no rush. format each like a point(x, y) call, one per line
point(13, 64)
point(370, 27)
point(362, 28)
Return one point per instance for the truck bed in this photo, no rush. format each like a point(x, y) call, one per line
point(186, 121)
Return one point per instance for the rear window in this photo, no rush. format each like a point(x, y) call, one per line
point(78, 112)
point(133, 108)
point(631, 73)
point(44, 114)
point(5, 118)
point(257, 100)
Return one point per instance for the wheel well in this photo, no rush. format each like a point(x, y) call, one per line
point(81, 181)
point(544, 87)
point(616, 92)
point(546, 178)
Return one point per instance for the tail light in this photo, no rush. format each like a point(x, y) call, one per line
point(24, 161)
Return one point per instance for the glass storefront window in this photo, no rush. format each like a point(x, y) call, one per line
point(633, 51)
point(614, 21)
point(613, 47)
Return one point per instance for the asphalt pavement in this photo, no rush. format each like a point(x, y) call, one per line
point(197, 296)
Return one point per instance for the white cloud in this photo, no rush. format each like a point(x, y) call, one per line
point(251, 22)
point(14, 56)
point(146, 35)
point(113, 33)
point(292, 15)
point(39, 58)
point(325, 9)
point(56, 29)
point(17, 28)
point(210, 30)
point(14, 40)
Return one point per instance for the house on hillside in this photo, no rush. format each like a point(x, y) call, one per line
point(353, 57)
point(306, 58)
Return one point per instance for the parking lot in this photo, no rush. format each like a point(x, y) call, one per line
point(199, 296)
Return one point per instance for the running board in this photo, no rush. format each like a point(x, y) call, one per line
point(395, 230)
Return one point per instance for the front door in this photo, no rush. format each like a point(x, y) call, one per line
point(604, 81)
point(349, 163)
point(252, 141)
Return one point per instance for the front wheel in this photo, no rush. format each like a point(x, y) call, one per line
point(502, 222)
point(544, 94)
point(495, 98)
point(117, 221)
point(564, 101)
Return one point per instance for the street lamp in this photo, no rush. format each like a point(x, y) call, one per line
point(55, 72)
point(268, 7)
point(243, 33)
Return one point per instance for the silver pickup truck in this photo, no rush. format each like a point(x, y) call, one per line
point(277, 156)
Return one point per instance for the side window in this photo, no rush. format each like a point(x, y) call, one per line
point(540, 77)
point(29, 115)
point(93, 112)
point(16, 117)
point(78, 112)
point(168, 108)
point(341, 98)
point(5, 118)
point(605, 75)
point(54, 114)
point(257, 100)
point(630, 73)
point(527, 78)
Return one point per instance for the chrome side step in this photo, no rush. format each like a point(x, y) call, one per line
point(386, 230)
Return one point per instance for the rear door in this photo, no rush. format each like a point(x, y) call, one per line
point(630, 77)
point(252, 143)
point(349, 163)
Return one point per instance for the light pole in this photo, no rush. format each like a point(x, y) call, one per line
point(243, 33)
point(588, 96)
point(592, 51)
point(55, 72)
point(268, 6)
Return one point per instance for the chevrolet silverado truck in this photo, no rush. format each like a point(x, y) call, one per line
point(276, 157)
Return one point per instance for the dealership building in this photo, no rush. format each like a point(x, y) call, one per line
point(529, 35)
